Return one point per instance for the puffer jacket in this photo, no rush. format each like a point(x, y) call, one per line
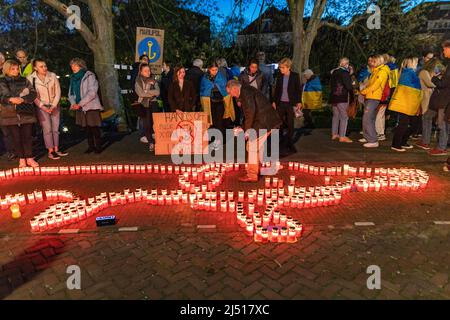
point(15, 87)
point(377, 82)
point(89, 93)
point(48, 91)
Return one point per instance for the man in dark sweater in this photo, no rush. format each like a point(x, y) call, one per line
point(259, 115)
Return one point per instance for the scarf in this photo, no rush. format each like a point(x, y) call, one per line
point(75, 84)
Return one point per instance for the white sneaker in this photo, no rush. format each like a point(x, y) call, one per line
point(144, 139)
point(445, 168)
point(361, 132)
point(22, 163)
point(363, 140)
point(371, 145)
point(398, 149)
point(381, 137)
point(32, 163)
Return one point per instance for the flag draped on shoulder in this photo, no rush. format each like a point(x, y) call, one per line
point(408, 95)
point(312, 94)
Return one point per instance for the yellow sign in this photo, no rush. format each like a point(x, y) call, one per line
point(151, 43)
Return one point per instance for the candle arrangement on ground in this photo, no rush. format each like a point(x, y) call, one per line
point(261, 213)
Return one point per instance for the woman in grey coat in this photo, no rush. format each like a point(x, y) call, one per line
point(83, 96)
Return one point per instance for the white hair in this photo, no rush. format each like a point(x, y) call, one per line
point(308, 72)
point(198, 63)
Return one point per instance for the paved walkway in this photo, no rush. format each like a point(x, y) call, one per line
point(169, 257)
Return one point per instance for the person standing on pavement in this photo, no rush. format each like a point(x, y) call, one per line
point(340, 98)
point(17, 111)
point(287, 97)
point(84, 99)
point(48, 91)
point(429, 70)
point(373, 93)
point(406, 102)
point(259, 115)
point(147, 90)
point(267, 71)
point(440, 103)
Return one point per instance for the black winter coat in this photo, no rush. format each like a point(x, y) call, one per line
point(11, 88)
point(341, 86)
point(257, 109)
point(440, 98)
point(294, 89)
point(195, 75)
point(182, 100)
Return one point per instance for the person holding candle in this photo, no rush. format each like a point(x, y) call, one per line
point(84, 99)
point(259, 115)
point(49, 92)
point(147, 91)
point(17, 111)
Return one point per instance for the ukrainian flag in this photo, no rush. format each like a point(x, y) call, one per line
point(393, 75)
point(408, 94)
point(312, 94)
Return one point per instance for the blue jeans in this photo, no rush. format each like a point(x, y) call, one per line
point(340, 119)
point(427, 124)
point(370, 115)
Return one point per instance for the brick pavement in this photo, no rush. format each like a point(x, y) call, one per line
point(169, 258)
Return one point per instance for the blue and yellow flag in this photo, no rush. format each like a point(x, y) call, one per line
point(408, 94)
point(312, 94)
point(393, 75)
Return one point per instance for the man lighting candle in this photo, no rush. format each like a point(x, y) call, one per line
point(259, 115)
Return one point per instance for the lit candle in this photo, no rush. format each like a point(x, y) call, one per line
point(327, 180)
point(274, 234)
point(265, 235)
point(292, 235)
point(249, 227)
point(283, 234)
point(15, 211)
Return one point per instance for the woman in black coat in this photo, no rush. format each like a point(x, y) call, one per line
point(181, 94)
point(17, 111)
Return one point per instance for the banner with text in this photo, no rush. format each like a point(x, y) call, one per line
point(181, 133)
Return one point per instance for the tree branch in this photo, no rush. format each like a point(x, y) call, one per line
point(342, 28)
point(62, 9)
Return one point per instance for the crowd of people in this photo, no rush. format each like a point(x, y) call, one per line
point(414, 95)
